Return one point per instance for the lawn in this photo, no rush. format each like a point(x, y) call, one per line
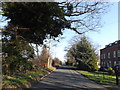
point(99, 77)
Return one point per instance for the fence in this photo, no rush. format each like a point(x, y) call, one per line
point(105, 78)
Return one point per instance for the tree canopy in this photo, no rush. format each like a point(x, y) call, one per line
point(84, 54)
point(34, 21)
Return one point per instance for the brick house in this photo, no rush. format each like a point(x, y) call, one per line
point(110, 55)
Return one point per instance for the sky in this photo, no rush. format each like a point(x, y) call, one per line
point(107, 34)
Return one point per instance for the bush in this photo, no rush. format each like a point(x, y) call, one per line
point(110, 70)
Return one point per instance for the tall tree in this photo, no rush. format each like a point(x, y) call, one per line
point(15, 55)
point(84, 53)
point(34, 21)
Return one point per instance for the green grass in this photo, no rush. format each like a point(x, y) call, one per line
point(22, 78)
point(99, 77)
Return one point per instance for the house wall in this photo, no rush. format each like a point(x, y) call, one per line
point(109, 60)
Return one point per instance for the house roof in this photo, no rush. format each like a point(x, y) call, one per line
point(112, 44)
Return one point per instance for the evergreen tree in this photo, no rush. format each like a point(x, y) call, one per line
point(84, 54)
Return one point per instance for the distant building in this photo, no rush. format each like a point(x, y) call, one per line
point(110, 55)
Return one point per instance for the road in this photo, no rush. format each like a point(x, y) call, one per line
point(63, 78)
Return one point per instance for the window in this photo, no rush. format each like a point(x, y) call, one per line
point(118, 53)
point(109, 63)
point(104, 56)
point(110, 44)
point(108, 55)
point(101, 56)
point(103, 63)
point(114, 54)
point(116, 42)
point(114, 63)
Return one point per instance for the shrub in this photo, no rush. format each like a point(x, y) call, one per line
point(110, 70)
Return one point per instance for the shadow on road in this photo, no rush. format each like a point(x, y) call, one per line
point(65, 77)
point(66, 67)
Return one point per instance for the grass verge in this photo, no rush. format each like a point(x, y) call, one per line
point(99, 77)
point(23, 80)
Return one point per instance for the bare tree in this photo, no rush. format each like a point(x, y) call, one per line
point(84, 16)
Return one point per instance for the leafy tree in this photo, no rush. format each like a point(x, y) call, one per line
point(34, 21)
point(16, 53)
point(84, 53)
point(70, 62)
point(56, 62)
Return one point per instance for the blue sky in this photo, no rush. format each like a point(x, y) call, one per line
point(109, 31)
point(107, 34)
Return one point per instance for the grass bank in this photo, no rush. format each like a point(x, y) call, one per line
point(99, 77)
point(25, 80)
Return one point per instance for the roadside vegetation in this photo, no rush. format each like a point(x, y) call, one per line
point(23, 80)
point(82, 54)
point(30, 25)
point(25, 75)
point(99, 77)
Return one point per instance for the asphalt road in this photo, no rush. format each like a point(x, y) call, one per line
point(66, 78)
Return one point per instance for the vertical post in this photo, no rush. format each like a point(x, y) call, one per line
point(116, 73)
point(117, 79)
point(103, 74)
point(0, 60)
point(119, 20)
